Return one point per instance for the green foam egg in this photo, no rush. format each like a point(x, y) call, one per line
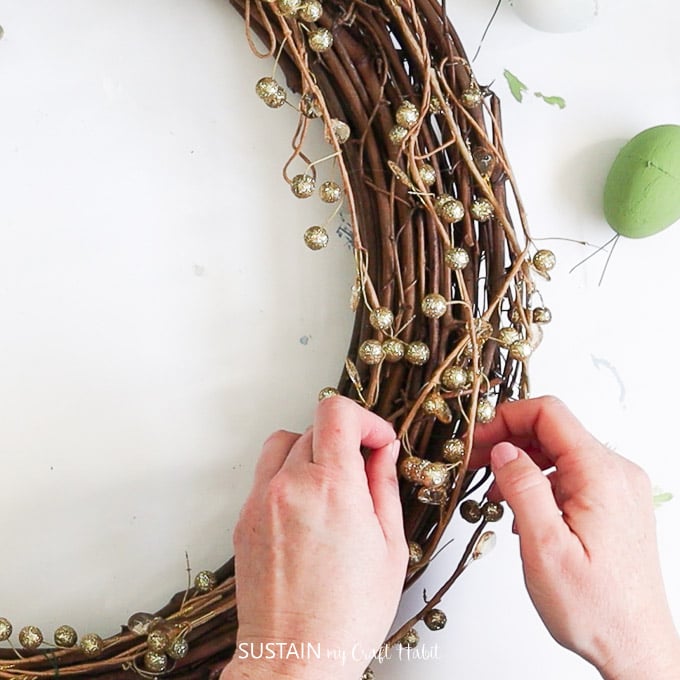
point(642, 191)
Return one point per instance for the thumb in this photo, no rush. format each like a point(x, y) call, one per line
point(528, 493)
point(381, 473)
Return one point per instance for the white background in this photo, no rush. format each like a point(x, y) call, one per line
point(160, 314)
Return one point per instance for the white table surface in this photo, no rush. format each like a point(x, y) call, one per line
point(151, 255)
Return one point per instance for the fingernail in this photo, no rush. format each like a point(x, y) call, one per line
point(502, 454)
point(395, 450)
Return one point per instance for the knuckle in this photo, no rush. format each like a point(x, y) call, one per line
point(528, 481)
point(327, 482)
point(551, 403)
point(289, 495)
point(279, 492)
point(279, 438)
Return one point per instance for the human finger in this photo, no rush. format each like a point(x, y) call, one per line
point(495, 495)
point(301, 451)
point(544, 428)
point(275, 450)
point(480, 455)
point(529, 494)
point(341, 427)
point(381, 473)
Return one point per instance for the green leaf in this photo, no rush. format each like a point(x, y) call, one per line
point(553, 101)
point(517, 87)
point(661, 498)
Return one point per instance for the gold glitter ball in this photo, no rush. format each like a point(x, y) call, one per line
point(544, 261)
point(436, 105)
point(158, 640)
point(486, 411)
point(492, 512)
point(454, 378)
point(178, 648)
point(521, 350)
point(330, 192)
point(302, 185)
point(508, 336)
point(91, 645)
point(205, 581)
point(381, 318)
point(410, 467)
point(417, 353)
point(407, 115)
point(320, 39)
point(472, 96)
point(436, 495)
point(541, 315)
point(483, 160)
point(453, 451)
point(310, 11)
point(341, 131)
point(316, 238)
point(371, 352)
point(270, 92)
point(309, 106)
point(327, 392)
point(435, 619)
point(5, 629)
point(397, 134)
point(435, 474)
point(288, 8)
point(368, 674)
point(456, 258)
point(266, 87)
point(141, 622)
point(394, 350)
point(452, 211)
point(514, 315)
point(440, 200)
point(415, 553)
point(30, 637)
point(434, 306)
point(435, 405)
point(471, 511)
point(428, 175)
point(155, 662)
point(65, 636)
point(481, 209)
point(410, 639)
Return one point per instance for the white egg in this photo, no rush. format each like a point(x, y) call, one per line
point(556, 16)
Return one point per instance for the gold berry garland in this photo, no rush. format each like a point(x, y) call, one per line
point(446, 308)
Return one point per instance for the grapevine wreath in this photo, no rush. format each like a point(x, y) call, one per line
point(447, 312)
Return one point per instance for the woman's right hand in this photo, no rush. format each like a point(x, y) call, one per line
point(587, 539)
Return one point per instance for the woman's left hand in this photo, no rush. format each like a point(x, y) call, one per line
point(320, 549)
